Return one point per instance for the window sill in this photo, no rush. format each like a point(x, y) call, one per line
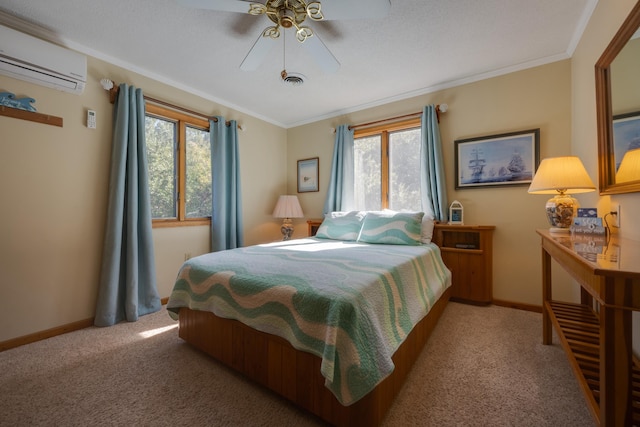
point(167, 223)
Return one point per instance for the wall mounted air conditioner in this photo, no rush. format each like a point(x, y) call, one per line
point(37, 61)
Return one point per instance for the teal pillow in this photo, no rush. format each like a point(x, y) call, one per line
point(428, 223)
point(341, 226)
point(392, 228)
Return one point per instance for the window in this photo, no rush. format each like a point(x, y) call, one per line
point(179, 158)
point(387, 166)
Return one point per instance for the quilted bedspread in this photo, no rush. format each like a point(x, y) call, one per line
point(351, 304)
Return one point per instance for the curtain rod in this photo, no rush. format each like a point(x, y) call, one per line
point(110, 86)
point(440, 108)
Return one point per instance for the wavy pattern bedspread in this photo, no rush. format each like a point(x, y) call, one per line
point(352, 304)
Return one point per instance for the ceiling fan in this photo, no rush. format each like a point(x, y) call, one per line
point(292, 14)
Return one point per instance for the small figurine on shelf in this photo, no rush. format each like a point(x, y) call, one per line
point(9, 100)
point(456, 213)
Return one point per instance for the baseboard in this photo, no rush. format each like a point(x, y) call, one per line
point(43, 335)
point(518, 305)
point(81, 324)
point(49, 333)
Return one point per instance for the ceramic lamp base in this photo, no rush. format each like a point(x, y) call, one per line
point(560, 212)
point(286, 229)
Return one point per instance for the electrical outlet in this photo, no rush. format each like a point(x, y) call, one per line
point(615, 212)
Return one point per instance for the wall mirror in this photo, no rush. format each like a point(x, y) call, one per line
point(618, 108)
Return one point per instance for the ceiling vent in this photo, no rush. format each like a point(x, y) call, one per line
point(292, 79)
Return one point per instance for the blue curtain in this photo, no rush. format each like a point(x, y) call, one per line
point(226, 218)
point(340, 194)
point(128, 277)
point(432, 179)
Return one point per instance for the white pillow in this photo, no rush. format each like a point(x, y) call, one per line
point(426, 234)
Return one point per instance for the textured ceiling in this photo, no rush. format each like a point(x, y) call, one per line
point(421, 46)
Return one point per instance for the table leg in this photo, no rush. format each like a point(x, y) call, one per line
point(546, 297)
point(615, 358)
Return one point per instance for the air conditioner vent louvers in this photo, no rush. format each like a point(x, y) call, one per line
point(37, 61)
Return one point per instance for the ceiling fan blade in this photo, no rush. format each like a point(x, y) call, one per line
point(244, 24)
point(239, 6)
point(329, 29)
point(258, 53)
point(355, 9)
point(321, 54)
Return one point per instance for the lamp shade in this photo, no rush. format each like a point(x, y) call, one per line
point(288, 207)
point(561, 175)
point(629, 169)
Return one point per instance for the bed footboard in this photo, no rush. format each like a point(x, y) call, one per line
point(272, 362)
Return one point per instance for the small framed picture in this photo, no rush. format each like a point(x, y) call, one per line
point(308, 175)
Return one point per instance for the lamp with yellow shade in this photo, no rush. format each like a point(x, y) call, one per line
point(561, 176)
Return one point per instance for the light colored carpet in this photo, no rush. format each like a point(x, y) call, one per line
point(483, 366)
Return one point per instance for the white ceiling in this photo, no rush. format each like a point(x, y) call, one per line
point(420, 47)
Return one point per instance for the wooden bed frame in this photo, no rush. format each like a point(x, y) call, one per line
point(272, 362)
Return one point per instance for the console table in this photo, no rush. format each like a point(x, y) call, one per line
point(596, 334)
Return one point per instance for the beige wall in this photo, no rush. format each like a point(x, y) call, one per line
point(536, 98)
point(53, 183)
point(605, 21)
point(54, 180)
point(625, 92)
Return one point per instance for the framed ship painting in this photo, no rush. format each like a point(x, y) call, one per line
point(497, 160)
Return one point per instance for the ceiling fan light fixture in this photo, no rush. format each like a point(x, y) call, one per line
point(288, 14)
point(314, 11)
point(303, 33)
point(272, 32)
point(287, 18)
point(257, 9)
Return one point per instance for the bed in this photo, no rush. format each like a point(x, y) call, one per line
point(333, 324)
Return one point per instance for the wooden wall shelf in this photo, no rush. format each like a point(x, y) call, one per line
point(31, 116)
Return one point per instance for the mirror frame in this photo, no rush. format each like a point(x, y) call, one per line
point(604, 109)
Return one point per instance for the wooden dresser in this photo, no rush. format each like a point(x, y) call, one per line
point(596, 334)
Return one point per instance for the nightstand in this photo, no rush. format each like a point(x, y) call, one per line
point(313, 225)
point(467, 250)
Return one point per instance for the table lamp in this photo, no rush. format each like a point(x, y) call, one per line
point(561, 176)
point(629, 169)
point(287, 207)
